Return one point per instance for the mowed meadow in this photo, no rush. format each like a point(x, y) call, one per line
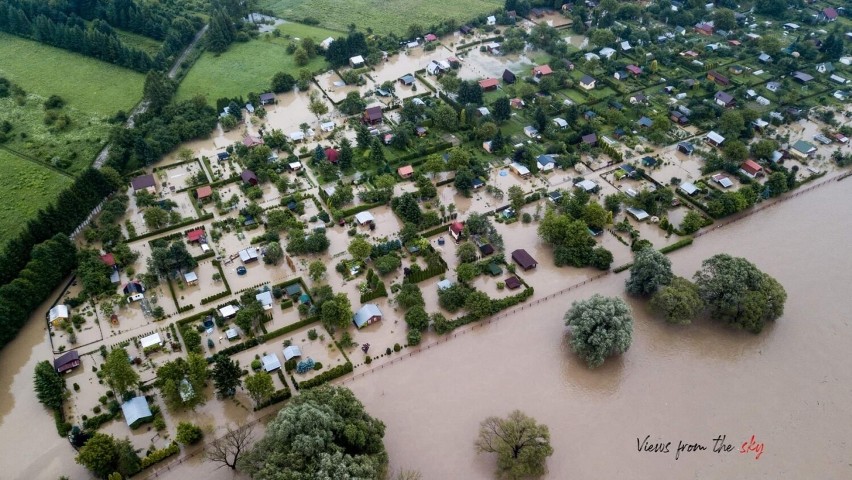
point(86, 84)
point(249, 66)
point(382, 16)
point(25, 187)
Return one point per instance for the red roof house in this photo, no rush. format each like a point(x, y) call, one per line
point(456, 229)
point(634, 69)
point(488, 83)
point(203, 193)
point(194, 235)
point(430, 37)
point(252, 141)
point(751, 168)
point(542, 70)
point(406, 171)
point(331, 154)
point(108, 259)
point(249, 177)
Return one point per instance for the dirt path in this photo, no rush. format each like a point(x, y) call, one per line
point(142, 106)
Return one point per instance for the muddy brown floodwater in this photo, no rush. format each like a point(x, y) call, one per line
point(789, 386)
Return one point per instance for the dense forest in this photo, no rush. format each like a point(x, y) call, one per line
point(88, 27)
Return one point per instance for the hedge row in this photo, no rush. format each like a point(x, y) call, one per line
point(159, 455)
point(62, 427)
point(185, 223)
point(679, 244)
point(434, 231)
point(418, 277)
point(277, 397)
point(186, 308)
point(622, 268)
point(286, 304)
point(92, 423)
point(205, 256)
point(326, 376)
point(496, 306)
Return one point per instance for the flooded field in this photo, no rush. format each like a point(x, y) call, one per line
point(523, 362)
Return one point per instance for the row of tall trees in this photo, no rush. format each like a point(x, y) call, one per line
point(50, 262)
point(87, 27)
point(70, 209)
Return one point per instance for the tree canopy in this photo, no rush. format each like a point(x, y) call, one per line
point(118, 372)
point(650, 271)
point(522, 445)
point(49, 385)
point(679, 301)
point(738, 293)
point(322, 433)
point(600, 327)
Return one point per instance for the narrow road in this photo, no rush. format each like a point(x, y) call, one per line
point(142, 106)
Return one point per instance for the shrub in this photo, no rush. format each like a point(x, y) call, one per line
point(97, 409)
point(388, 351)
point(317, 366)
point(326, 376)
point(76, 387)
point(368, 360)
point(160, 455)
point(188, 434)
point(312, 334)
point(414, 337)
point(159, 423)
point(255, 364)
point(397, 347)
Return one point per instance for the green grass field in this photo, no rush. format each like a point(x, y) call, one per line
point(85, 83)
point(300, 30)
point(245, 67)
point(25, 187)
point(75, 145)
point(383, 16)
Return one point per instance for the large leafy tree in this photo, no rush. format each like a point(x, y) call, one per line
point(409, 296)
point(679, 301)
point(601, 327)
point(118, 372)
point(49, 385)
point(259, 387)
point(738, 293)
point(572, 243)
point(103, 455)
point(322, 433)
point(650, 271)
point(336, 312)
point(522, 445)
point(226, 376)
point(176, 392)
point(359, 248)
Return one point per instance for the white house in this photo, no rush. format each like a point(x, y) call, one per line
point(270, 362)
point(587, 82)
point(326, 43)
point(531, 131)
point(545, 163)
point(491, 20)
point(364, 217)
point(688, 188)
point(607, 52)
point(367, 314)
point(587, 185)
point(560, 122)
point(356, 62)
point(292, 351)
point(150, 340)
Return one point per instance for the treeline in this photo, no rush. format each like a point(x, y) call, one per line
point(227, 25)
point(64, 25)
point(70, 209)
point(158, 131)
point(51, 261)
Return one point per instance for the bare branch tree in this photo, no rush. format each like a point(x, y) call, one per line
point(407, 475)
point(227, 449)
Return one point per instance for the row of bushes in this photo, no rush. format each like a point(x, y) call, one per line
point(378, 292)
point(326, 376)
point(92, 423)
point(185, 223)
point(185, 308)
point(679, 244)
point(159, 455)
point(62, 427)
point(285, 304)
point(496, 306)
point(277, 397)
point(435, 231)
point(622, 268)
point(205, 256)
point(433, 271)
